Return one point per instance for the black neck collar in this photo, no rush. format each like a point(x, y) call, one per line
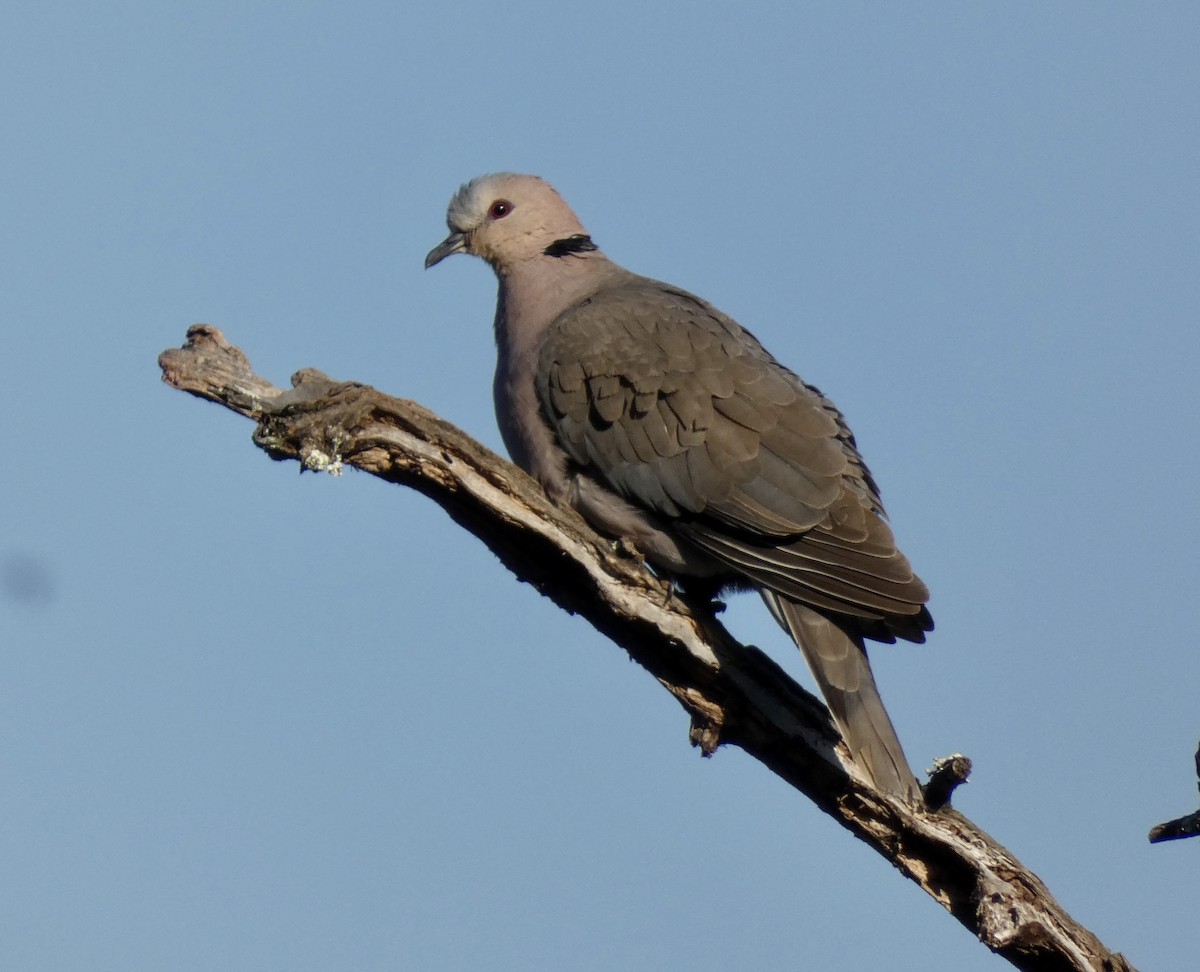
point(579, 243)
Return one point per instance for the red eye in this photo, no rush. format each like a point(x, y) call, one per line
point(499, 209)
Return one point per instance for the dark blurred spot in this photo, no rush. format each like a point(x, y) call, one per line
point(26, 579)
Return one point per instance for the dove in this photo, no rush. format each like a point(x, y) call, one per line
point(668, 426)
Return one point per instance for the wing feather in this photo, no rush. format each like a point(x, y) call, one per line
point(682, 412)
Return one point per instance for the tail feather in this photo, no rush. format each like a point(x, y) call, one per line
point(839, 663)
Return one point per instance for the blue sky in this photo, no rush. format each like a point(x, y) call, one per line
point(255, 720)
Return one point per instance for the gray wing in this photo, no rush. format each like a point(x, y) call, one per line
point(681, 411)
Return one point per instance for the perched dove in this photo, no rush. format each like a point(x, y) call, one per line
point(664, 422)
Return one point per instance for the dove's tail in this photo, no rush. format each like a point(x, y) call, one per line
point(839, 664)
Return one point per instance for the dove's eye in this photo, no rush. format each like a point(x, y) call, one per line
point(499, 209)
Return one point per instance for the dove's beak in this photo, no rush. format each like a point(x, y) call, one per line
point(454, 243)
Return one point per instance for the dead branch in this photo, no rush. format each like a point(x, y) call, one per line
point(733, 693)
point(1181, 827)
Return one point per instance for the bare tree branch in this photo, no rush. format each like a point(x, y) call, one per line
point(733, 693)
point(1180, 827)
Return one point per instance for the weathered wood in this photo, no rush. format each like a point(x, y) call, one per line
point(733, 693)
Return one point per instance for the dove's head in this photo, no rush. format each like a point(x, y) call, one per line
point(507, 218)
